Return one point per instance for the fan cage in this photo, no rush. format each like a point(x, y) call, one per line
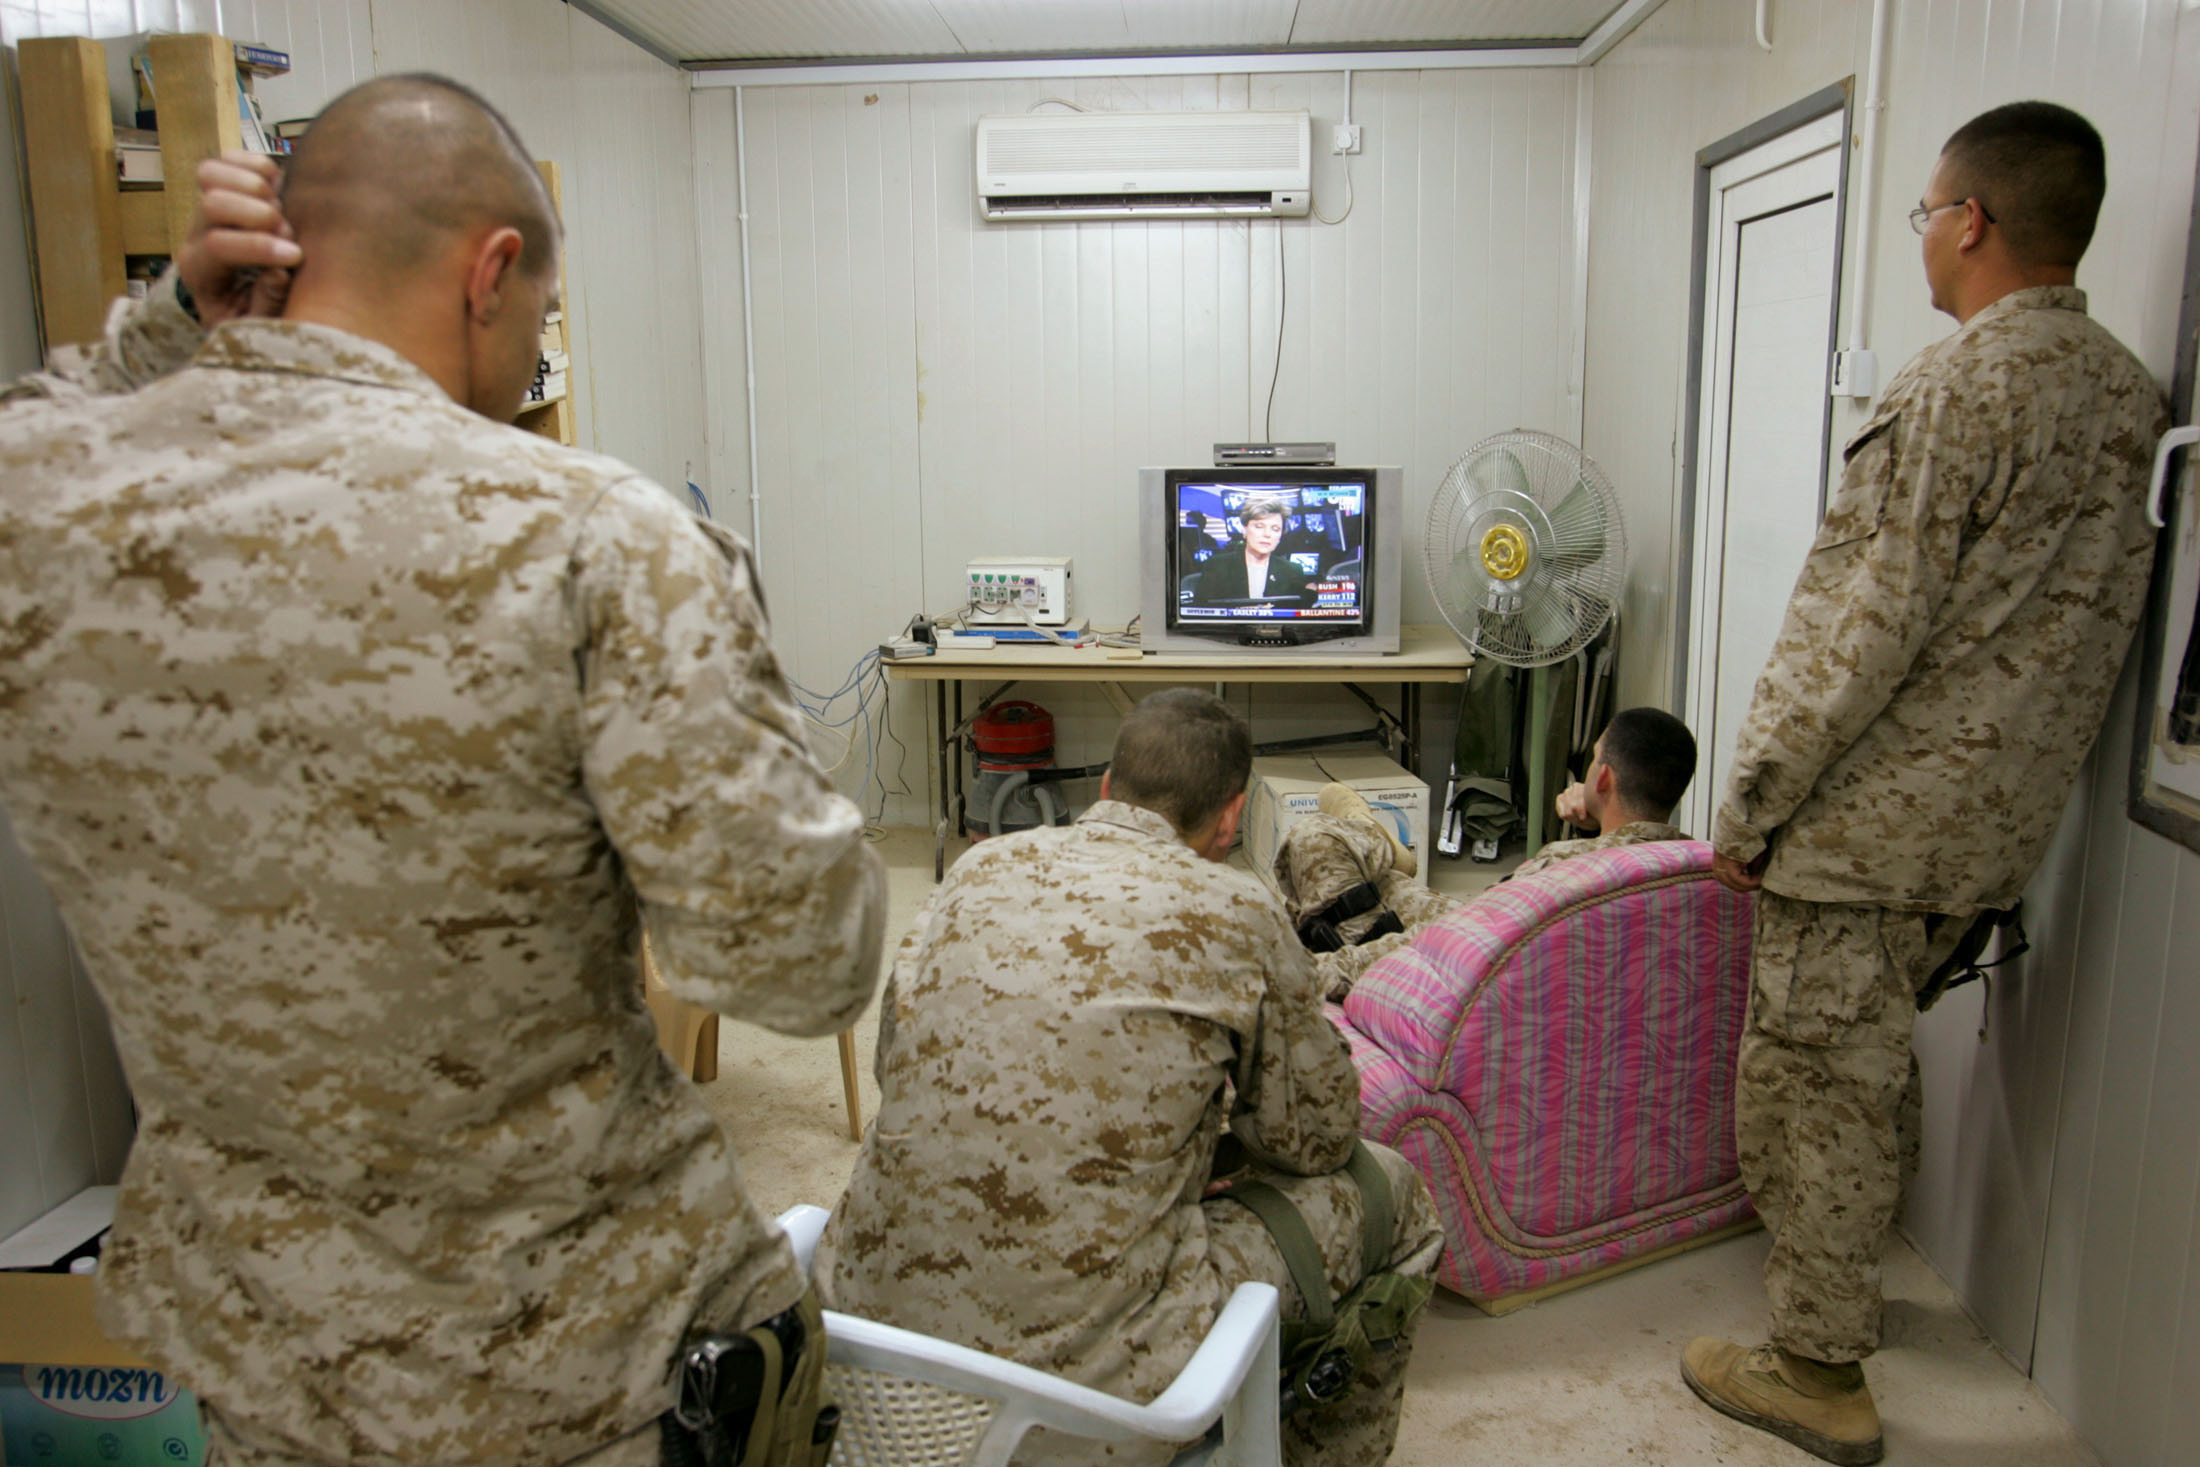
point(1537, 489)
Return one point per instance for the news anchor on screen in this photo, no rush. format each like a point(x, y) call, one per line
point(1251, 570)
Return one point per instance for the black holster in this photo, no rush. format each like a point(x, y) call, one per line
point(724, 1385)
point(1319, 931)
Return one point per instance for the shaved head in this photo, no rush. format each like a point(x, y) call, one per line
point(398, 170)
point(2040, 170)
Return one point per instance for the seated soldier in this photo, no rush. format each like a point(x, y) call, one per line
point(1345, 875)
point(1076, 1018)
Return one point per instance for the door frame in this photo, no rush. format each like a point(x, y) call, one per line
point(1776, 177)
point(1839, 97)
point(2145, 802)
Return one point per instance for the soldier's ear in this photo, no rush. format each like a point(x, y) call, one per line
point(1226, 824)
point(489, 273)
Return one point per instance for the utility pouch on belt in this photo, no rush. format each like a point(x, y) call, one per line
point(1319, 931)
point(1325, 1350)
point(1963, 965)
point(731, 1390)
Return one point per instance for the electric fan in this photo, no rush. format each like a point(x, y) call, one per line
point(1526, 556)
point(1526, 553)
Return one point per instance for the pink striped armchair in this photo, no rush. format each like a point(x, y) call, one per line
point(1557, 1058)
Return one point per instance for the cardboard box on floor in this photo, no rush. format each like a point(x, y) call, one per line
point(1286, 788)
point(71, 1397)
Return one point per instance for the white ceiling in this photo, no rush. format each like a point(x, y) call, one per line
point(780, 30)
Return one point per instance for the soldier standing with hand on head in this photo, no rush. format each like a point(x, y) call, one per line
point(1942, 671)
point(351, 728)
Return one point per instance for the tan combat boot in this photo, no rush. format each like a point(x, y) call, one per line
point(1826, 1410)
point(1347, 803)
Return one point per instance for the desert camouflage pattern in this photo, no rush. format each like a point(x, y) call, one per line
point(352, 731)
point(143, 340)
point(1076, 1018)
point(1324, 856)
point(1826, 1106)
point(1634, 833)
point(1955, 633)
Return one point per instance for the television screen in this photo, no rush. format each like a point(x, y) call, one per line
point(1269, 550)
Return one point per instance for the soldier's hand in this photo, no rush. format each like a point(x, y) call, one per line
point(1735, 876)
point(238, 253)
point(1573, 806)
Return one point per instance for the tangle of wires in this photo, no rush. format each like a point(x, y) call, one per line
point(861, 723)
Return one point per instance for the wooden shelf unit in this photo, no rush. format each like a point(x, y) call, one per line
point(84, 224)
point(554, 419)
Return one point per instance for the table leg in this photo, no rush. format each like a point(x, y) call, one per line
point(1409, 714)
point(1409, 708)
point(941, 753)
point(958, 806)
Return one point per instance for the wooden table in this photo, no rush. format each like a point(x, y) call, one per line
point(1425, 655)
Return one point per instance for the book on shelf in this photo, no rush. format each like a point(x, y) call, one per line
point(261, 60)
point(546, 389)
point(129, 79)
point(137, 157)
point(249, 127)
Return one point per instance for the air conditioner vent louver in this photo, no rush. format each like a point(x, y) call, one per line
point(1154, 147)
point(1124, 165)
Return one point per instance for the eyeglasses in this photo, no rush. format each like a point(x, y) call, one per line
point(1923, 212)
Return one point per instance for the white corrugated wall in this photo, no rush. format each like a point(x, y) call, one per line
point(932, 388)
point(2063, 1154)
point(616, 120)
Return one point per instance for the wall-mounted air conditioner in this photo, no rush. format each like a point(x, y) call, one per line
point(1145, 165)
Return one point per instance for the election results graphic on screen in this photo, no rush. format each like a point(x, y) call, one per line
point(1266, 553)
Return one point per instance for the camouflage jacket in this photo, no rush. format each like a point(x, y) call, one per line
point(1075, 1016)
point(1634, 833)
point(347, 727)
point(1957, 629)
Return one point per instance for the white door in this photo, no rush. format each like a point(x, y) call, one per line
point(1761, 457)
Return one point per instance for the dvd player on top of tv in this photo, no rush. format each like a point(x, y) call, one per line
point(1312, 455)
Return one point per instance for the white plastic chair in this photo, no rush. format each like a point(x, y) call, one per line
point(909, 1400)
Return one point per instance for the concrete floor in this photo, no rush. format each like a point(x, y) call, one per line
point(1590, 1377)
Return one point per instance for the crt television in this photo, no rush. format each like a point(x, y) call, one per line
point(1286, 560)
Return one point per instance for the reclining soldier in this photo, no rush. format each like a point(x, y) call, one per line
point(1346, 878)
point(1075, 1021)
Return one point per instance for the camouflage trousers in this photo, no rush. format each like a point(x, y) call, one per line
point(230, 1446)
point(1323, 857)
point(1826, 1106)
point(1359, 1430)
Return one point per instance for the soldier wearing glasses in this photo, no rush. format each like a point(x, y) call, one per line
point(1941, 673)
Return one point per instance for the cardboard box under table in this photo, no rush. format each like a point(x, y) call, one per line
point(1286, 789)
